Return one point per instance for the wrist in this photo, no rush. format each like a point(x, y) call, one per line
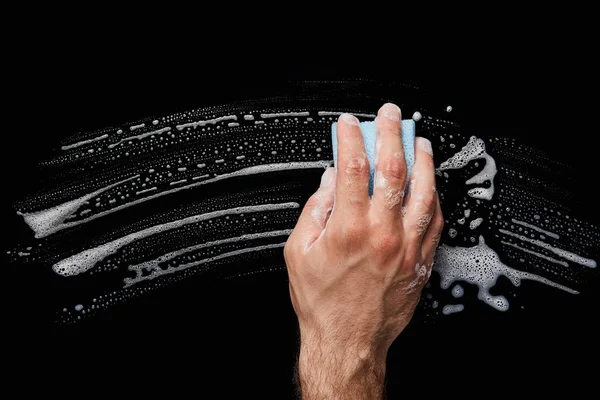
point(337, 367)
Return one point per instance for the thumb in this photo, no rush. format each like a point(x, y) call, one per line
point(315, 214)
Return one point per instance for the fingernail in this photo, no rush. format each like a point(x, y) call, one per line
point(327, 177)
point(390, 111)
point(349, 119)
point(424, 145)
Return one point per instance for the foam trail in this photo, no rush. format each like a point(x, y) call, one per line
point(83, 142)
point(85, 260)
point(171, 270)
point(535, 253)
point(140, 136)
point(49, 221)
point(45, 222)
point(153, 265)
point(146, 190)
point(563, 253)
point(285, 114)
point(481, 266)
point(338, 113)
point(213, 121)
point(528, 225)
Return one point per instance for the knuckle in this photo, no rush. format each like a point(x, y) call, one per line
point(357, 165)
point(396, 168)
point(384, 244)
point(354, 234)
point(429, 200)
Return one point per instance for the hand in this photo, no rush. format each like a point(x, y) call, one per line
point(357, 265)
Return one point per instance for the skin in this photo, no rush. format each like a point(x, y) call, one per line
point(357, 265)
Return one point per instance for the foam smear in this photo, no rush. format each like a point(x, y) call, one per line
point(172, 269)
point(87, 259)
point(153, 266)
point(49, 221)
point(196, 148)
point(474, 149)
point(536, 228)
point(84, 142)
point(46, 222)
point(563, 253)
point(481, 266)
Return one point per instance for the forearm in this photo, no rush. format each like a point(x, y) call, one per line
point(328, 371)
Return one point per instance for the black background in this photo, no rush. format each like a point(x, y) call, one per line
point(238, 336)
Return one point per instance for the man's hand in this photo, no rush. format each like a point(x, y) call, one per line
point(357, 265)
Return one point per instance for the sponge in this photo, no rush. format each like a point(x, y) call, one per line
point(369, 136)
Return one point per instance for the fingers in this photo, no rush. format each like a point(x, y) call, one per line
point(390, 164)
point(315, 214)
point(420, 203)
point(432, 234)
point(352, 183)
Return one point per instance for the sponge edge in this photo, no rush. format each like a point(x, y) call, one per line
point(369, 136)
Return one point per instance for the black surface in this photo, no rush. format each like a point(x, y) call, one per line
point(238, 336)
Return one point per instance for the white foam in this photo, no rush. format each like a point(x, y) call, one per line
point(475, 223)
point(481, 266)
point(338, 113)
point(558, 251)
point(87, 259)
point(171, 270)
point(134, 127)
point(285, 114)
point(473, 150)
point(452, 308)
point(140, 136)
point(153, 266)
point(178, 182)
point(458, 291)
point(528, 225)
point(153, 188)
point(83, 142)
point(49, 221)
point(213, 121)
point(535, 253)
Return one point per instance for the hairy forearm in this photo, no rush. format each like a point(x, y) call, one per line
point(328, 371)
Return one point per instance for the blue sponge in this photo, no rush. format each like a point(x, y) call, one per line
point(369, 136)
